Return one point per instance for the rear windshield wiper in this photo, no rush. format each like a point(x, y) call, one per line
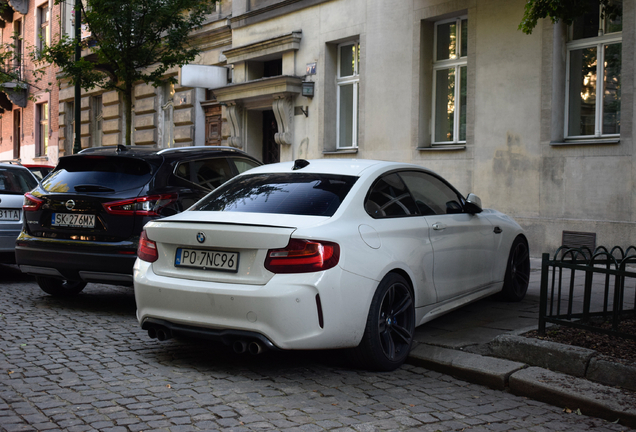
point(93, 188)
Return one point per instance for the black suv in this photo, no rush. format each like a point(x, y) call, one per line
point(82, 223)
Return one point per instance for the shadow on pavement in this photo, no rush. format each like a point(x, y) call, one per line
point(94, 298)
point(11, 273)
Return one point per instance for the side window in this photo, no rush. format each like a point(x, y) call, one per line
point(432, 196)
point(243, 165)
point(389, 197)
point(207, 173)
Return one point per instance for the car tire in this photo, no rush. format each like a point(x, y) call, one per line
point(517, 274)
point(59, 287)
point(388, 335)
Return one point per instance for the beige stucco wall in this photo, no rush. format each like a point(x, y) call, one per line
point(508, 159)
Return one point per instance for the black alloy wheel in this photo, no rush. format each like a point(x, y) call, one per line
point(388, 336)
point(59, 287)
point(517, 275)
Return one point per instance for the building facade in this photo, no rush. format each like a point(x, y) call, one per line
point(28, 100)
point(539, 126)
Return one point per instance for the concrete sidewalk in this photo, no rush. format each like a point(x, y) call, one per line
point(480, 343)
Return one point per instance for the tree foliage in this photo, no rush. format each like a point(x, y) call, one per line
point(563, 10)
point(130, 42)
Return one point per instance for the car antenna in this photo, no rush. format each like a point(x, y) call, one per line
point(300, 163)
point(121, 148)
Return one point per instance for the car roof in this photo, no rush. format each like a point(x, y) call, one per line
point(353, 167)
point(13, 165)
point(18, 166)
point(136, 151)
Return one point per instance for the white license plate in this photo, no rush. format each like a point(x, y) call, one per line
point(73, 220)
point(207, 259)
point(10, 214)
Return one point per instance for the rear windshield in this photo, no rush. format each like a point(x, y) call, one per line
point(293, 194)
point(16, 181)
point(98, 174)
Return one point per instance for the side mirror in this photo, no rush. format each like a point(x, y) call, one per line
point(473, 204)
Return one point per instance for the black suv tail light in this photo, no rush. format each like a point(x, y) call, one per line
point(142, 206)
point(31, 203)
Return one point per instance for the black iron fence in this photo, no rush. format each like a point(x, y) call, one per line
point(580, 288)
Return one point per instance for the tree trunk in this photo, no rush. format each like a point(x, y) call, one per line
point(127, 94)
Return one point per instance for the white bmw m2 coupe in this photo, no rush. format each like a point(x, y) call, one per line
point(325, 254)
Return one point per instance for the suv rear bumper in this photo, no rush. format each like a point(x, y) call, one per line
point(110, 263)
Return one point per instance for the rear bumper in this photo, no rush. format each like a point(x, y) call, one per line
point(319, 310)
point(110, 263)
point(7, 238)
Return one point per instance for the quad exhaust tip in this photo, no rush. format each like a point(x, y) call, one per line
point(159, 333)
point(240, 346)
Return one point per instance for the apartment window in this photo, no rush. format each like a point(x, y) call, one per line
point(348, 81)
point(43, 135)
point(593, 91)
point(68, 18)
point(17, 50)
point(43, 14)
point(450, 60)
point(98, 121)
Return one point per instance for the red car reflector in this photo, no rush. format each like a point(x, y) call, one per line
point(31, 203)
point(147, 249)
point(303, 256)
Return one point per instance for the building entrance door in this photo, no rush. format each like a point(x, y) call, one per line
point(271, 149)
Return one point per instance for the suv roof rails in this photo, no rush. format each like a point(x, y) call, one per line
point(118, 148)
point(12, 161)
point(193, 148)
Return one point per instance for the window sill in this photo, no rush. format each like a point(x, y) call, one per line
point(343, 151)
point(442, 148)
point(593, 141)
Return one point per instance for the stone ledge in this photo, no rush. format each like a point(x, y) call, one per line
point(488, 371)
point(568, 359)
point(575, 393)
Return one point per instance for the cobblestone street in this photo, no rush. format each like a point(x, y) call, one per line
point(83, 364)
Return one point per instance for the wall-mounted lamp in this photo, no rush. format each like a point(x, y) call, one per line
point(308, 89)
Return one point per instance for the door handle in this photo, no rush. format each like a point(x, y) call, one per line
point(438, 226)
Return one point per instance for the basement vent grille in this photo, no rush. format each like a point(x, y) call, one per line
point(579, 239)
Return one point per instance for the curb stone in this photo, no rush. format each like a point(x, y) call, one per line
point(568, 359)
point(488, 371)
point(575, 393)
point(556, 388)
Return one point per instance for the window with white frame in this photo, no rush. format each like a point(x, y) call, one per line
point(68, 13)
point(43, 134)
point(348, 81)
point(449, 81)
point(593, 91)
point(43, 26)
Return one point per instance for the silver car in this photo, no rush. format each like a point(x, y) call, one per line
point(15, 181)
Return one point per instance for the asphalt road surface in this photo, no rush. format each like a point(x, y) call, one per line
point(83, 364)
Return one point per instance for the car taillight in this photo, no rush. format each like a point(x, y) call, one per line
point(142, 206)
point(303, 256)
point(147, 249)
point(31, 203)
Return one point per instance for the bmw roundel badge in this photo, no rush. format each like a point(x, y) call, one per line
point(200, 237)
